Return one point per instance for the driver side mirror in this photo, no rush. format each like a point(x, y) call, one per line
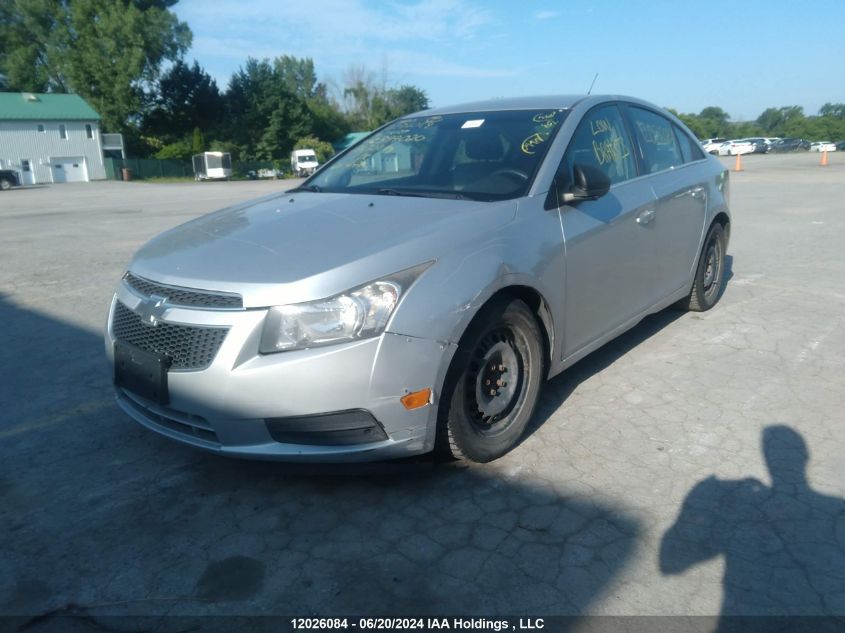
point(590, 183)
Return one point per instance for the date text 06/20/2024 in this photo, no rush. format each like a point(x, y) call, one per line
point(416, 624)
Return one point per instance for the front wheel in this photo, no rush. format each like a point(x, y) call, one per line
point(5, 184)
point(493, 383)
point(709, 274)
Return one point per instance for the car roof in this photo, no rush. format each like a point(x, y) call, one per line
point(547, 102)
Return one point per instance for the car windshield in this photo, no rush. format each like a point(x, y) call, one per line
point(475, 155)
point(307, 158)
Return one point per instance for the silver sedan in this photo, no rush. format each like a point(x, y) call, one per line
point(415, 293)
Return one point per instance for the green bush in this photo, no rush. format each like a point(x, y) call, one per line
point(323, 150)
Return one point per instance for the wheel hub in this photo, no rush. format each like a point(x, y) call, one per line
point(712, 267)
point(497, 380)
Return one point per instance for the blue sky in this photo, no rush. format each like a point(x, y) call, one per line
point(742, 55)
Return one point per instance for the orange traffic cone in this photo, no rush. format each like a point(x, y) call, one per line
point(823, 161)
point(738, 165)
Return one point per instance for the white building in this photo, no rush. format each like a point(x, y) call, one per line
point(50, 138)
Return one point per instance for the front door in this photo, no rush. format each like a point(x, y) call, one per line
point(27, 177)
point(609, 249)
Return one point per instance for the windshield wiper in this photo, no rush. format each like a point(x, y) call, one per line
point(311, 188)
point(449, 195)
point(397, 192)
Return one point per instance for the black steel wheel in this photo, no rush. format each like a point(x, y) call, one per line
point(493, 383)
point(710, 273)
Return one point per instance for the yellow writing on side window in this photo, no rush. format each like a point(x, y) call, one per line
point(600, 126)
point(610, 150)
point(656, 135)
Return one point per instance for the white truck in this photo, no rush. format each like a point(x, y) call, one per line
point(303, 162)
point(212, 166)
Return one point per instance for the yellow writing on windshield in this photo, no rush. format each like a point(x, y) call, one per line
point(530, 144)
point(431, 121)
point(546, 120)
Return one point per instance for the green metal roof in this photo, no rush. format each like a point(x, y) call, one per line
point(353, 137)
point(33, 106)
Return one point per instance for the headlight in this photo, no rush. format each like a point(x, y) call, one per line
point(357, 314)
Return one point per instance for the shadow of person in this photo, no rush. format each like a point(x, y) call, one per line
point(783, 545)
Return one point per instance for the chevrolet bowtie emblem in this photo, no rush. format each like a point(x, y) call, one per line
point(152, 309)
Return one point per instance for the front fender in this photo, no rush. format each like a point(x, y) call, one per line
point(441, 305)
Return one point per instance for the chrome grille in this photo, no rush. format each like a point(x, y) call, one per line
point(183, 296)
point(188, 346)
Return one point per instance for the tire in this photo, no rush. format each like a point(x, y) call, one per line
point(709, 273)
point(5, 184)
point(503, 344)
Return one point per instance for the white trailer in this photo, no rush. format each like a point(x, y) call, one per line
point(212, 166)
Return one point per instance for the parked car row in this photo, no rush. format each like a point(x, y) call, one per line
point(764, 145)
point(823, 146)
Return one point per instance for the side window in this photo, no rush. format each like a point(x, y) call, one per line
point(62, 131)
point(690, 150)
point(657, 141)
point(601, 140)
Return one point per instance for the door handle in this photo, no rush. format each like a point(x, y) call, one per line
point(699, 193)
point(646, 216)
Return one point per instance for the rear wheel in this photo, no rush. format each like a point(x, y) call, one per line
point(5, 184)
point(493, 383)
point(709, 274)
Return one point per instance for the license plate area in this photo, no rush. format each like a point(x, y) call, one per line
point(141, 372)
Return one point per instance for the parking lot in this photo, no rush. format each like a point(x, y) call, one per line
point(587, 516)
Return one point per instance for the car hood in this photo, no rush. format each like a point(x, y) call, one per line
point(289, 248)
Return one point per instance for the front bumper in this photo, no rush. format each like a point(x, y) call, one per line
point(244, 402)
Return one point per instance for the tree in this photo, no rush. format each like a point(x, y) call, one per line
point(714, 122)
point(197, 142)
point(370, 103)
point(407, 100)
point(29, 35)
point(836, 110)
point(263, 116)
point(184, 98)
point(300, 79)
point(785, 121)
point(297, 75)
point(107, 51)
point(180, 150)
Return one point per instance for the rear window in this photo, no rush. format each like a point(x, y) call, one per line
point(690, 150)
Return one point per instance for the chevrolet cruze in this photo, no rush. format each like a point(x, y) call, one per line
point(417, 290)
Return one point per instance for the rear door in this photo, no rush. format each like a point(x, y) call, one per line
point(609, 260)
point(677, 178)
